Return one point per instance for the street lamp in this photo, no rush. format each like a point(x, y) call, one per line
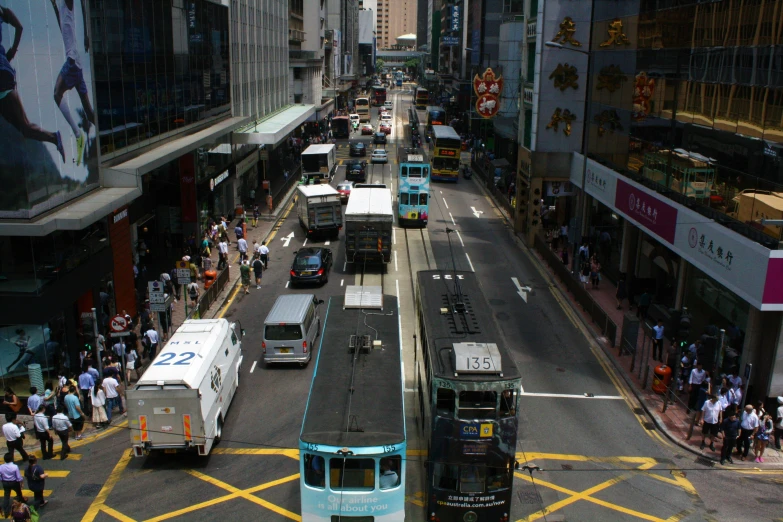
point(582, 205)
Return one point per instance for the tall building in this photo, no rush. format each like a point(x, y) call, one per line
point(342, 49)
point(305, 51)
point(395, 18)
point(113, 174)
point(684, 161)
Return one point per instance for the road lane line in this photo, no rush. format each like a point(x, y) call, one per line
point(345, 265)
point(444, 202)
point(305, 242)
point(287, 283)
point(342, 281)
point(452, 219)
point(471, 264)
point(327, 243)
point(572, 396)
point(397, 284)
point(460, 238)
point(111, 482)
point(253, 368)
point(396, 268)
point(394, 236)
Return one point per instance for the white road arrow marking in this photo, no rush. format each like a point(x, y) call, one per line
point(476, 213)
point(287, 239)
point(521, 290)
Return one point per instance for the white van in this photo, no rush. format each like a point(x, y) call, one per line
point(291, 328)
point(181, 401)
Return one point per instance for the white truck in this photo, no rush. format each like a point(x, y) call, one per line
point(369, 219)
point(181, 400)
point(319, 209)
point(319, 163)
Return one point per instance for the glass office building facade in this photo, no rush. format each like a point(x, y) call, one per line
point(160, 67)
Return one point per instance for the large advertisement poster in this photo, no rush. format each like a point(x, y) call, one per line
point(47, 122)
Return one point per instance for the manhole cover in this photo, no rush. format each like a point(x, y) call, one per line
point(648, 426)
point(764, 500)
point(567, 467)
point(638, 411)
point(89, 490)
point(705, 462)
point(528, 495)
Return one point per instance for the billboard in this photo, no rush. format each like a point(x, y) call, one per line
point(47, 121)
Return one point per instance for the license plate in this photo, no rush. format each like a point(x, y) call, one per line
point(307, 272)
point(285, 350)
point(169, 451)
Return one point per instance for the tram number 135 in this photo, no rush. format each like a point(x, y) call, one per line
point(479, 363)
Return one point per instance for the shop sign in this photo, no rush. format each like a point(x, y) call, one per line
point(647, 210)
point(559, 188)
point(450, 40)
point(455, 18)
point(119, 216)
point(217, 180)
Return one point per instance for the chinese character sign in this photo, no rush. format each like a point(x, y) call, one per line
point(488, 89)
point(455, 18)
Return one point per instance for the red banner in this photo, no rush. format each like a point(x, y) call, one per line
point(187, 189)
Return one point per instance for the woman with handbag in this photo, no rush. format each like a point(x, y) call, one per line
point(762, 437)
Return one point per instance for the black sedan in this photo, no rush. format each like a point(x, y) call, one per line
point(355, 170)
point(311, 265)
point(380, 137)
point(357, 149)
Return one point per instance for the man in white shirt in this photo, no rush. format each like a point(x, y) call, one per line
point(152, 335)
point(264, 251)
point(712, 417)
point(34, 400)
point(222, 254)
point(695, 380)
point(111, 387)
point(735, 397)
point(42, 432)
point(61, 425)
point(749, 422)
point(13, 436)
point(242, 247)
point(658, 331)
point(735, 380)
point(779, 423)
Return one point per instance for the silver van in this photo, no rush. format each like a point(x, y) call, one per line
point(291, 328)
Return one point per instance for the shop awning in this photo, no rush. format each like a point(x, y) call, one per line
point(275, 128)
point(75, 215)
point(124, 173)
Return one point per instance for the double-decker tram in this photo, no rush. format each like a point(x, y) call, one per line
point(378, 95)
point(413, 125)
point(435, 116)
point(352, 444)
point(468, 387)
point(421, 98)
point(362, 106)
point(413, 193)
point(446, 150)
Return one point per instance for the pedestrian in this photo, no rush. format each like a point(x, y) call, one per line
point(644, 305)
point(14, 437)
point(658, 331)
point(62, 425)
point(730, 428)
point(75, 413)
point(622, 292)
point(34, 400)
point(238, 232)
point(112, 388)
point(712, 415)
point(119, 349)
point(152, 335)
point(762, 437)
point(98, 396)
point(12, 482)
point(258, 267)
point(584, 274)
point(131, 363)
point(735, 397)
point(41, 423)
point(86, 382)
point(206, 263)
point(779, 423)
point(244, 270)
point(749, 424)
point(595, 271)
point(697, 377)
point(193, 292)
point(242, 246)
point(223, 253)
point(36, 478)
point(564, 256)
point(168, 286)
point(264, 251)
point(256, 215)
point(12, 401)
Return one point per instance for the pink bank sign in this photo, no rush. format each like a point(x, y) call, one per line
point(650, 212)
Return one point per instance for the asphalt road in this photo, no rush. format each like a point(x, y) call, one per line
point(597, 459)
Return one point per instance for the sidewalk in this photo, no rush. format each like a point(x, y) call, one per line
point(260, 233)
point(674, 422)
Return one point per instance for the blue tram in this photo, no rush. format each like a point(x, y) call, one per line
point(413, 193)
point(352, 444)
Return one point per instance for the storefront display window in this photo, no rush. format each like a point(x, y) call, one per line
point(30, 354)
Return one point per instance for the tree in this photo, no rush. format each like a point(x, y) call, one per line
point(412, 63)
point(379, 63)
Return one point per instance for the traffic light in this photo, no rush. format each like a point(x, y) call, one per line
point(684, 329)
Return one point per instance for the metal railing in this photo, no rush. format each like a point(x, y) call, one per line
point(207, 299)
point(575, 288)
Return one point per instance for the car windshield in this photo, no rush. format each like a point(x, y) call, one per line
point(306, 262)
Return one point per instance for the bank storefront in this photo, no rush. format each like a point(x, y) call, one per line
point(726, 281)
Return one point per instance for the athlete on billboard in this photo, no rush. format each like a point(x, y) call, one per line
point(11, 108)
point(71, 73)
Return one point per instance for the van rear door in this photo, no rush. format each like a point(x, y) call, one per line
point(165, 416)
